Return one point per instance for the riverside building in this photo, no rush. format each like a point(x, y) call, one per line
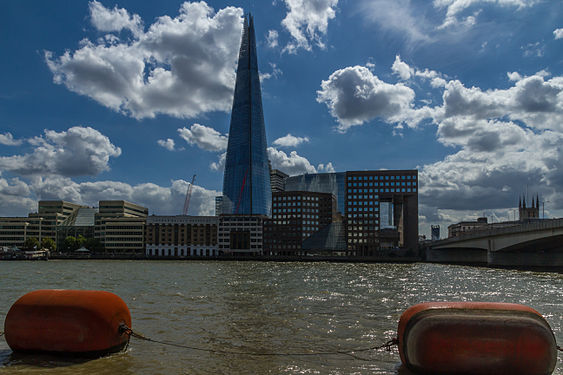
point(120, 225)
point(379, 208)
point(181, 236)
point(41, 224)
point(296, 215)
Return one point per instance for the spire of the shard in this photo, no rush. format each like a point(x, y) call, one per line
point(246, 184)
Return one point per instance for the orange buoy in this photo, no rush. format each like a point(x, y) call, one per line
point(476, 338)
point(70, 322)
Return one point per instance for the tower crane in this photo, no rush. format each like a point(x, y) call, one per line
point(188, 196)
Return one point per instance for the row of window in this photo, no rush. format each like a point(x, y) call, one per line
point(364, 209)
point(386, 177)
point(298, 204)
point(295, 198)
point(381, 184)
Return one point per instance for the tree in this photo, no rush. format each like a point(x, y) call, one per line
point(80, 241)
point(31, 243)
point(70, 244)
point(48, 243)
point(94, 245)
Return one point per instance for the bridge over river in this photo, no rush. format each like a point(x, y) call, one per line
point(535, 243)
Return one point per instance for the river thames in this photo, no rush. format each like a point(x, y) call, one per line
point(266, 307)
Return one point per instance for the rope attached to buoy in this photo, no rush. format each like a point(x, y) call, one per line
point(123, 329)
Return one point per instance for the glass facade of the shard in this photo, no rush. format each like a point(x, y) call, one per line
point(246, 184)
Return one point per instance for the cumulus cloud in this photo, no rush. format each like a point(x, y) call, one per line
point(295, 164)
point(354, 95)
point(219, 165)
point(115, 19)
point(160, 200)
point(290, 141)
point(204, 137)
point(292, 164)
point(182, 66)
point(307, 22)
point(496, 158)
point(533, 100)
point(7, 139)
point(167, 144)
point(78, 151)
point(401, 68)
point(14, 197)
point(558, 33)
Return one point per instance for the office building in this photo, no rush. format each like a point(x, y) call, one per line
point(41, 224)
point(296, 215)
point(331, 183)
point(379, 208)
point(277, 180)
point(241, 235)
point(120, 225)
point(218, 203)
point(246, 184)
point(181, 236)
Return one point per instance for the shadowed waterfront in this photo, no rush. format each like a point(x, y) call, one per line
point(266, 307)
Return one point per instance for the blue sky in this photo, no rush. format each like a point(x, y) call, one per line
point(128, 99)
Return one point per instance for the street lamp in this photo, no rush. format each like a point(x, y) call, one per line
point(40, 220)
point(543, 208)
point(25, 232)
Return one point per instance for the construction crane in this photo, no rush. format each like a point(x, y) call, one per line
point(188, 195)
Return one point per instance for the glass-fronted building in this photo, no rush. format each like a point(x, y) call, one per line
point(333, 183)
point(246, 184)
point(379, 208)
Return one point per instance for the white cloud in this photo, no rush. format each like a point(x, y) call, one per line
point(533, 49)
point(276, 73)
point(7, 139)
point(292, 164)
point(79, 151)
point(325, 168)
point(307, 22)
point(532, 100)
point(182, 66)
point(204, 137)
point(496, 158)
point(167, 144)
point(402, 69)
point(115, 19)
point(290, 141)
point(219, 165)
point(14, 198)
point(454, 8)
point(558, 33)
point(272, 38)
point(399, 16)
point(354, 95)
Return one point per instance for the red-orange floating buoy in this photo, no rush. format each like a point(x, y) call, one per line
point(70, 322)
point(476, 338)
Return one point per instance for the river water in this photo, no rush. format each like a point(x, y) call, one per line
point(265, 307)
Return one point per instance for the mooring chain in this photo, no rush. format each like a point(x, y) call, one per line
point(559, 348)
point(124, 329)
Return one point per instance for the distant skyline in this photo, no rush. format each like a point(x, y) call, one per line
point(128, 99)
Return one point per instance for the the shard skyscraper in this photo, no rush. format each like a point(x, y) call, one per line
point(246, 184)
